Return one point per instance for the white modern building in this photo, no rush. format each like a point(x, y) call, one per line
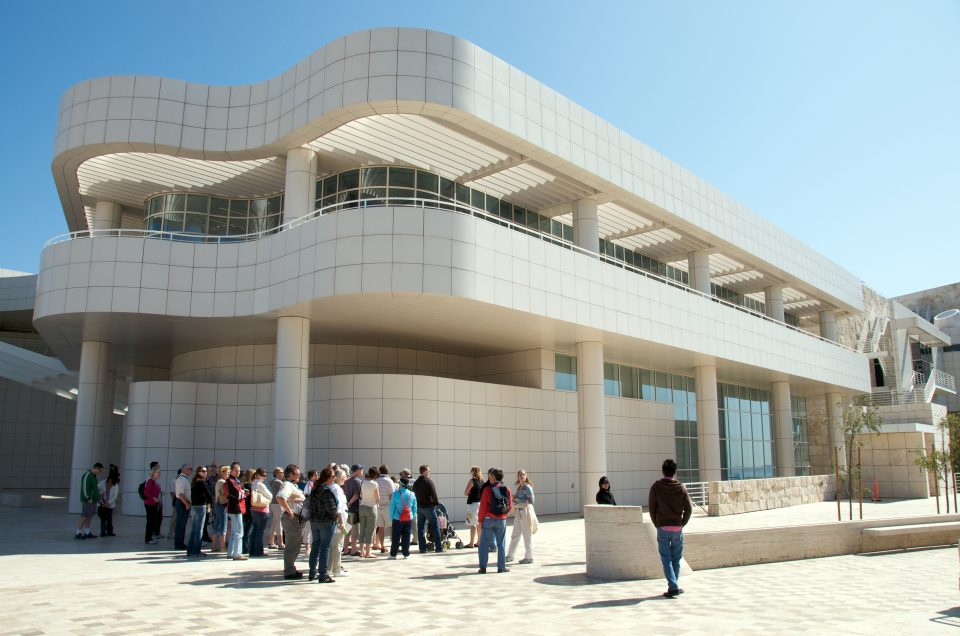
point(405, 250)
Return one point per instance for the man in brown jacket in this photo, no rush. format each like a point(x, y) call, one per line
point(670, 510)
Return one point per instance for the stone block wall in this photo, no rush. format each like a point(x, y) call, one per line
point(751, 495)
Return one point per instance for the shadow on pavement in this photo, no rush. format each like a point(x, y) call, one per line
point(623, 602)
point(574, 579)
point(949, 617)
point(255, 579)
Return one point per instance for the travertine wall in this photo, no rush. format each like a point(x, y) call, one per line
point(751, 495)
point(889, 458)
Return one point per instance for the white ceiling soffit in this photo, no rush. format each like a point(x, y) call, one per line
point(406, 140)
point(131, 177)
point(41, 372)
point(530, 185)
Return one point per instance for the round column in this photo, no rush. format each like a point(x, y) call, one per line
point(828, 325)
point(708, 423)
point(300, 184)
point(290, 391)
point(698, 269)
point(591, 423)
point(773, 302)
point(586, 226)
point(106, 215)
point(783, 430)
point(89, 427)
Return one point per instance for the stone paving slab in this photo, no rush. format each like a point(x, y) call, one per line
point(52, 584)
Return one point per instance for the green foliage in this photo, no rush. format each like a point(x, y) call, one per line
point(942, 461)
point(858, 418)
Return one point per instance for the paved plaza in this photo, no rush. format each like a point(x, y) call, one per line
point(55, 585)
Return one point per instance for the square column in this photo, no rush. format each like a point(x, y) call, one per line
point(290, 391)
point(89, 432)
point(591, 423)
point(708, 422)
point(300, 183)
point(786, 463)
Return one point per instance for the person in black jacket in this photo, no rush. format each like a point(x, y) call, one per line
point(604, 496)
point(427, 500)
point(670, 510)
point(323, 523)
point(199, 500)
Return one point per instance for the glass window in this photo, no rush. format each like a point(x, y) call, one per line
point(275, 205)
point(646, 385)
point(155, 223)
point(239, 208)
point(219, 206)
point(463, 194)
point(446, 189)
point(237, 226)
point(630, 382)
point(568, 233)
point(476, 199)
point(329, 185)
point(427, 181)
point(349, 179)
point(492, 205)
point(195, 223)
point(533, 220)
point(173, 222)
point(565, 375)
point(196, 203)
point(679, 389)
point(402, 178)
point(217, 225)
point(611, 379)
point(519, 215)
point(663, 386)
point(176, 202)
point(506, 210)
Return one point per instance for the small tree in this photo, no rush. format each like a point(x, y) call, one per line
point(943, 461)
point(858, 417)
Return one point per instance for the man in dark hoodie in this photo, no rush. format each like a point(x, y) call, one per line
point(670, 510)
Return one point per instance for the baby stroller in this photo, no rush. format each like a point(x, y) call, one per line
point(448, 534)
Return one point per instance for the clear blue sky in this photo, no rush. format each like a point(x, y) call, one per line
point(839, 121)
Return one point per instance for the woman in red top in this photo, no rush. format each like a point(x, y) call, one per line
point(151, 502)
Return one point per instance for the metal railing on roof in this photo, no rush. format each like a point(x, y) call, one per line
point(428, 204)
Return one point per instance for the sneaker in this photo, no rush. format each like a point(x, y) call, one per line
point(406, 556)
point(525, 561)
point(152, 542)
point(293, 576)
point(343, 573)
point(392, 557)
point(327, 579)
point(78, 536)
point(509, 559)
point(272, 547)
point(499, 570)
point(312, 576)
point(241, 557)
point(673, 593)
point(482, 571)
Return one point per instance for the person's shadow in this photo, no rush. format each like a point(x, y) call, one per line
point(948, 617)
point(622, 602)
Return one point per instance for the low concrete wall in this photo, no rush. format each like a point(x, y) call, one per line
point(620, 546)
point(750, 495)
point(705, 550)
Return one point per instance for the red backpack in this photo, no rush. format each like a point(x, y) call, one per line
point(405, 513)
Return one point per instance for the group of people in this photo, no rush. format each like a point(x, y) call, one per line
point(340, 511)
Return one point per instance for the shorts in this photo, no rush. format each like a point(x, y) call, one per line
point(353, 518)
point(88, 509)
point(473, 511)
point(383, 516)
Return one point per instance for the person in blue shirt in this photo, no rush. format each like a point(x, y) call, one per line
point(403, 510)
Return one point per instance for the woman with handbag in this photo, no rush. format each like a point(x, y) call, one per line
point(369, 500)
point(525, 520)
point(472, 493)
point(197, 517)
point(108, 501)
point(219, 537)
point(260, 498)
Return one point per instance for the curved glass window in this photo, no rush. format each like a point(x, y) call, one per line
point(206, 215)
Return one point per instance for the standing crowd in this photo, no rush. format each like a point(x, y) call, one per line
point(342, 511)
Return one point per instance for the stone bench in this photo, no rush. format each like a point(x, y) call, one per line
point(915, 535)
point(620, 545)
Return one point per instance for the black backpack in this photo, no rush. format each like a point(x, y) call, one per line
point(499, 500)
point(141, 492)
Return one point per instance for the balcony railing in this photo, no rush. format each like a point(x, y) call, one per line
point(428, 204)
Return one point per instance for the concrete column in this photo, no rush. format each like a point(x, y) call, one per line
point(708, 422)
point(783, 430)
point(828, 325)
point(105, 415)
point(89, 427)
point(290, 391)
point(300, 185)
point(698, 268)
point(107, 215)
point(773, 302)
point(586, 226)
point(591, 418)
point(834, 430)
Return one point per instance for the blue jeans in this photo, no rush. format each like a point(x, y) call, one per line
point(670, 546)
point(198, 517)
point(256, 532)
point(322, 532)
point(400, 539)
point(181, 527)
point(235, 547)
point(425, 515)
point(493, 530)
point(219, 519)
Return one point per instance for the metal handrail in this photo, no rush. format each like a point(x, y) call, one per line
point(425, 204)
point(699, 492)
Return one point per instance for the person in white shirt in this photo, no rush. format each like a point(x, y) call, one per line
point(334, 563)
point(109, 490)
point(181, 505)
point(291, 500)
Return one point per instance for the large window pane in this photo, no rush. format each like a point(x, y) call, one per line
point(197, 203)
point(349, 179)
point(427, 181)
point(611, 379)
point(565, 375)
point(663, 386)
point(630, 382)
point(647, 391)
